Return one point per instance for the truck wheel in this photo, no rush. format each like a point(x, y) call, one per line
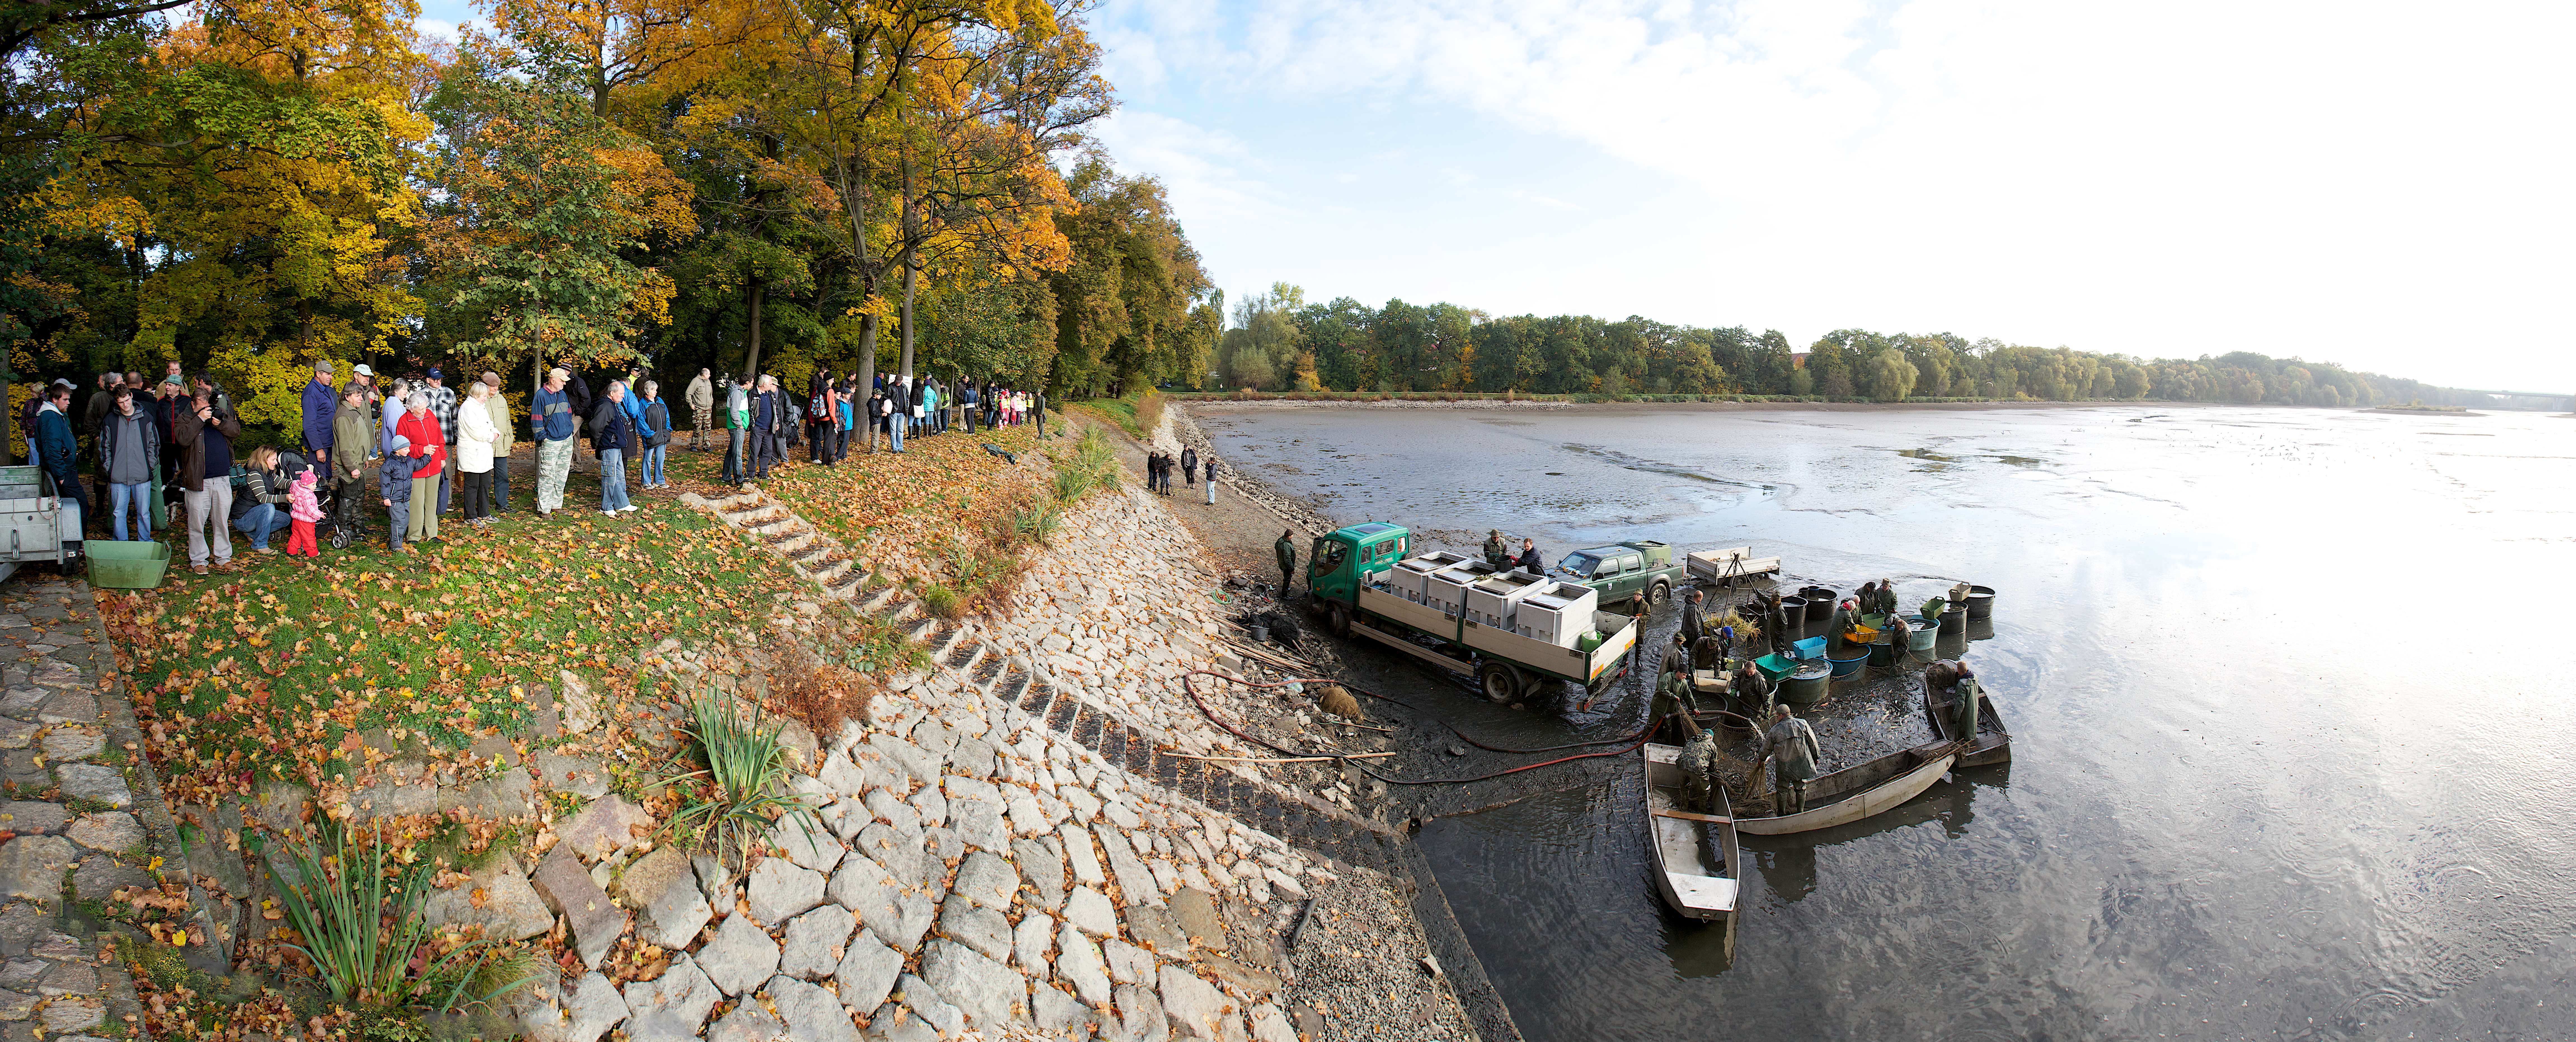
point(1657, 594)
point(1501, 682)
point(1338, 617)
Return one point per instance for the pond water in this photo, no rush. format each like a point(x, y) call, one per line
point(2288, 689)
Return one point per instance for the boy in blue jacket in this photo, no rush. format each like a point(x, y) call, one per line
point(396, 476)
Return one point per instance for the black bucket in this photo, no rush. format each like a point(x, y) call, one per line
point(1981, 602)
point(1953, 621)
point(1820, 604)
point(1795, 610)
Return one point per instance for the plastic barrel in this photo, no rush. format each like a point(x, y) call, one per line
point(1820, 604)
point(1882, 652)
point(1981, 603)
point(1847, 666)
point(1924, 633)
point(1796, 610)
point(1806, 687)
point(1954, 620)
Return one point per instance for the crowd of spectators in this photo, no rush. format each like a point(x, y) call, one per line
point(417, 449)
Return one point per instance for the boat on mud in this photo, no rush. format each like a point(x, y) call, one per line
point(1858, 791)
point(1993, 744)
point(1698, 867)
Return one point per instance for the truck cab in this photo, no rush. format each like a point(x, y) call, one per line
point(1643, 568)
point(1346, 559)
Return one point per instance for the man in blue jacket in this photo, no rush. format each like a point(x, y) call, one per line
point(321, 406)
point(551, 419)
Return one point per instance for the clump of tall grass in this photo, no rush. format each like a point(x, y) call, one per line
point(361, 924)
point(742, 789)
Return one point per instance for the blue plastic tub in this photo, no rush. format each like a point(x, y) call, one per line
point(1810, 648)
point(1844, 667)
point(1924, 633)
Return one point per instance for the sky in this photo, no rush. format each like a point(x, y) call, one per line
point(2379, 185)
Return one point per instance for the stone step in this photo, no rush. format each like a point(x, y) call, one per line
point(881, 598)
point(921, 629)
point(962, 655)
point(824, 572)
point(846, 586)
point(788, 525)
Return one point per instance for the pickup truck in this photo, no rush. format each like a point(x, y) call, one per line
point(1643, 568)
point(1349, 573)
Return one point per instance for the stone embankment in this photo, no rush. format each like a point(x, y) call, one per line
point(1017, 842)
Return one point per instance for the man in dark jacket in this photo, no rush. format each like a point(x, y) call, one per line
point(321, 407)
point(1189, 466)
point(1529, 560)
point(577, 394)
point(766, 415)
point(129, 450)
point(1286, 549)
point(204, 432)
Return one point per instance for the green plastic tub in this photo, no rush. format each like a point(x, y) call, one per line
point(127, 565)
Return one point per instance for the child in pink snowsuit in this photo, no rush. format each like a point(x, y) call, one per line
point(303, 508)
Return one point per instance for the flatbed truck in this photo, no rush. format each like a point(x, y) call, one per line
point(1347, 573)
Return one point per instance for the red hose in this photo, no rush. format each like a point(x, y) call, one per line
point(1639, 738)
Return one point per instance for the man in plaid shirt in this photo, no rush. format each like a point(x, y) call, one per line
point(442, 404)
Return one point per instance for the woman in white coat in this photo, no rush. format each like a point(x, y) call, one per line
point(474, 437)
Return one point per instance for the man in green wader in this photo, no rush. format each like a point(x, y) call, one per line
point(1497, 552)
point(1699, 768)
point(1287, 551)
point(1673, 695)
point(1842, 622)
point(1963, 708)
point(1791, 747)
point(1752, 693)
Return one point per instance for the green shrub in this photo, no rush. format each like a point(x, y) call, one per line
point(943, 602)
point(361, 923)
point(743, 785)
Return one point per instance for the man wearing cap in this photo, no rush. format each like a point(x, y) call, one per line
point(1791, 747)
point(321, 409)
point(1497, 552)
point(502, 443)
point(551, 419)
point(442, 404)
point(702, 408)
point(362, 378)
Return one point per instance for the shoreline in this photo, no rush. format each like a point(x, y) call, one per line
point(1525, 404)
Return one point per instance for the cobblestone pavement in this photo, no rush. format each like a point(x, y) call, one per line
point(80, 819)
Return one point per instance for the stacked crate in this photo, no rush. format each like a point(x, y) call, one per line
point(1411, 576)
point(1491, 602)
point(1557, 612)
point(1446, 589)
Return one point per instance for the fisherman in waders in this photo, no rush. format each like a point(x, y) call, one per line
point(1698, 763)
point(1784, 636)
point(1497, 552)
point(1694, 622)
point(1963, 711)
point(1791, 746)
point(1752, 693)
point(1836, 630)
point(1673, 699)
point(1287, 551)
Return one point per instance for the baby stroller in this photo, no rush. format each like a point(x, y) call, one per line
point(341, 503)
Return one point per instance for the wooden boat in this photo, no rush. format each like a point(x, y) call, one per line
point(1993, 745)
point(1697, 865)
point(1856, 792)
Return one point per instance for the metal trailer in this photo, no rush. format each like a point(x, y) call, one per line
point(1723, 567)
point(41, 526)
point(1349, 574)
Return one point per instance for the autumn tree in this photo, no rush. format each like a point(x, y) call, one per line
point(541, 200)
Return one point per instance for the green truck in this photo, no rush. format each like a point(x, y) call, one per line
point(1514, 632)
point(1643, 568)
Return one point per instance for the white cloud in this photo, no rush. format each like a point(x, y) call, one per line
point(442, 29)
point(1539, 199)
point(2340, 180)
point(1204, 172)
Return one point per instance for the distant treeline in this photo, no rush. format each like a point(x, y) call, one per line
point(1280, 343)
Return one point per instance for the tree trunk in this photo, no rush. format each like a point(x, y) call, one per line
point(751, 361)
point(304, 326)
point(911, 271)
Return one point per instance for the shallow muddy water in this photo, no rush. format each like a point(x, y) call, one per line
point(2288, 692)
